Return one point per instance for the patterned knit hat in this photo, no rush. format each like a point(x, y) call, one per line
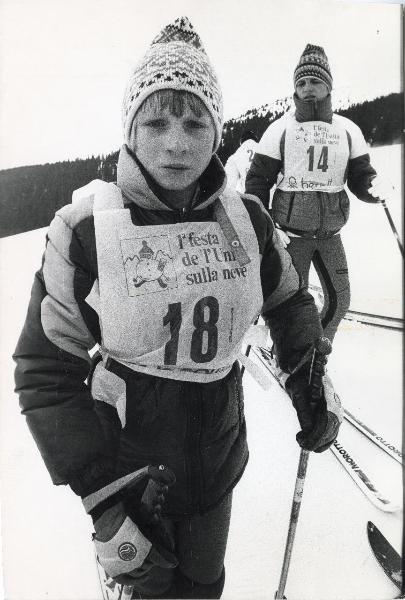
point(175, 60)
point(313, 63)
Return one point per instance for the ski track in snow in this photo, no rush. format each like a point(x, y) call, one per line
point(47, 552)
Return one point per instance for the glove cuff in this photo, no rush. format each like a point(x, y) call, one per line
point(126, 551)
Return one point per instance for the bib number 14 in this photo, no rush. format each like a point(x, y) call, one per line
point(323, 159)
point(204, 339)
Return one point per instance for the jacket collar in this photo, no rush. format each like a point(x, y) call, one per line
point(141, 189)
point(318, 110)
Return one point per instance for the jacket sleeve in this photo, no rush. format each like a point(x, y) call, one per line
point(52, 363)
point(267, 162)
point(360, 173)
point(288, 308)
point(261, 177)
point(359, 177)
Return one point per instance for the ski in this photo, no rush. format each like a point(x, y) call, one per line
point(361, 479)
point(361, 317)
point(343, 456)
point(265, 356)
point(387, 557)
point(374, 437)
point(376, 320)
point(110, 589)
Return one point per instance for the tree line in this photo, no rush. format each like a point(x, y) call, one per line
point(29, 196)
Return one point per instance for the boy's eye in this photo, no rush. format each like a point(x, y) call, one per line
point(194, 124)
point(155, 123)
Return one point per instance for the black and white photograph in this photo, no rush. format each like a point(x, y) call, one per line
point(201, 299)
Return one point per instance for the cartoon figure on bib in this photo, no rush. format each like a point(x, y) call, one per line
point(148, 266)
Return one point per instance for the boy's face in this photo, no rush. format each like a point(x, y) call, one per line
point(311, 88)
point(175, 150)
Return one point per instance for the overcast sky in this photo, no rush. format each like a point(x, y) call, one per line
point(64, 64)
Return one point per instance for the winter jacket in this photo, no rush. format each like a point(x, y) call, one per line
point(91, 432)
point(311, 153)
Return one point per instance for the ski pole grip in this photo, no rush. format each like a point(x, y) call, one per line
point(323, 347)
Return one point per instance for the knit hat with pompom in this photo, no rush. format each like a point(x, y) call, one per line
point(175, 60)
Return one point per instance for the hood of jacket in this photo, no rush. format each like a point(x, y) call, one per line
point(141, 189)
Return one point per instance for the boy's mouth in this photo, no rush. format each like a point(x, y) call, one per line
point(176, 167)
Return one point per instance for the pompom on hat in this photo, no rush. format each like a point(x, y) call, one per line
point(314, 63)
point(175, 60)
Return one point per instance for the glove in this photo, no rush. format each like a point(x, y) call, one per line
point(285, 240)
point(381, 189)
point(130, 537)
point(319, 420)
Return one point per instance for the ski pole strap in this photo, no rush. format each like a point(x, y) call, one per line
point(94, 499)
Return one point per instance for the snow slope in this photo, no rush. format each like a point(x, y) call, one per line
point(47, 553)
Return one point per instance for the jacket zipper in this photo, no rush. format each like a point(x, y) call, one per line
point(193, 457)
point(290, 207)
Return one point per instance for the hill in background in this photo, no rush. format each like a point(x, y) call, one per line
point(29, 196)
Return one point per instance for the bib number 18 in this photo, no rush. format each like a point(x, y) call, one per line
point(204, 339)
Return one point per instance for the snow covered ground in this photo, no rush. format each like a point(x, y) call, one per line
point(47, 553)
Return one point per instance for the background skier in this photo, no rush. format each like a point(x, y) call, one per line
point(166, 389)
point(239, 162)
point(309, 154)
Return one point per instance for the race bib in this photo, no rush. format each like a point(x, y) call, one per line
point(175, 300)
point(315, 157)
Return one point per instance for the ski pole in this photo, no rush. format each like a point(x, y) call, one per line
point(248, 349)
point(323, 347)
point(391, 222)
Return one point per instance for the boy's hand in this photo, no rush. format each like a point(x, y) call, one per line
point(285, 240)
point(320, 420)
point(130, 536)
point(381, 189)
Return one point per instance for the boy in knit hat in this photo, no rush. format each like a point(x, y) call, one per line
point(309, 154)
point(165, 271)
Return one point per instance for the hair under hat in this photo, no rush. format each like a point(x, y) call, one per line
point(314, 63)
point(175, 60)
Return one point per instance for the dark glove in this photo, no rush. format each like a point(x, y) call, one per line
point(319, 419)
point(130, 536)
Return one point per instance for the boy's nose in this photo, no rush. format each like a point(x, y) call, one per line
point(177, 141)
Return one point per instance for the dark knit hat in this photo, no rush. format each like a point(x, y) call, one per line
point(313, 63)
point(175, 60)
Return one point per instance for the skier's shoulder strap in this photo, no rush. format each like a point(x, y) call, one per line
point(104, 195)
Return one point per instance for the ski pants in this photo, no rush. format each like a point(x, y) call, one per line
point(200, 544)
point(329, 260)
